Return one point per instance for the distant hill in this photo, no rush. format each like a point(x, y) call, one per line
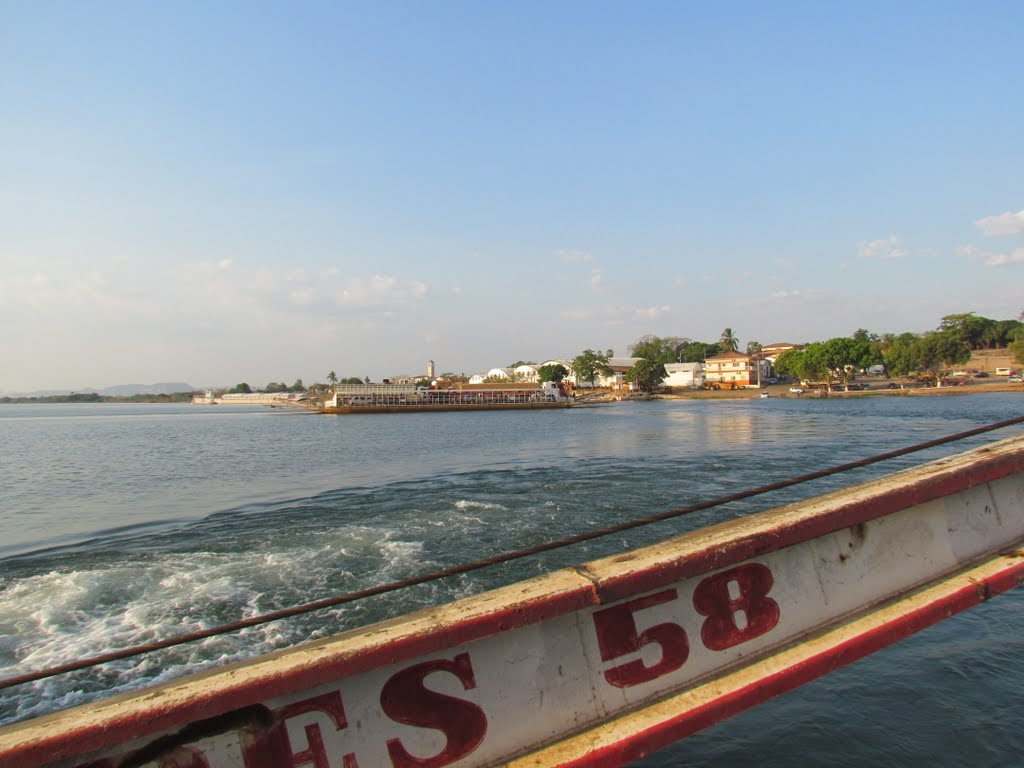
point(118, 390)
point(161, 388)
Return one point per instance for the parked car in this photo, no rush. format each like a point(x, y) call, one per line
point(1014, 378)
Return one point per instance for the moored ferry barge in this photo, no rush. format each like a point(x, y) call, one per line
point(401, 398)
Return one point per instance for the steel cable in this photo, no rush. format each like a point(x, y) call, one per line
point(506, 557)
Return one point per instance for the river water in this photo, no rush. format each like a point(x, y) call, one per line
point(120, 524)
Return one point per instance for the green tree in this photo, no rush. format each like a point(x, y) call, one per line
point(789, 363)
point(654, 348)
point(551, 372)
point(808, 364)
point(84, 397)
point(298, 386)
point(898, 353)
point(754, 347)
point(728, 341)
point(814, 363)
point(967, 328)
point(588, 365)
point(332, 378)
point(242, 389)
point(1001, 333)
point(696, 352)
point(846, 356)
point(935, 352)
point(275, 387)
point(647, 375)
point(869, 349)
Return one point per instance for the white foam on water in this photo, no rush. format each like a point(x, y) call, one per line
point(63, 616)
point(464, 504)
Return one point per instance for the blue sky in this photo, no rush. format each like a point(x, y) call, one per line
point(258, 192)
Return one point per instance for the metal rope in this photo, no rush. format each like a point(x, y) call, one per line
point(476, 565)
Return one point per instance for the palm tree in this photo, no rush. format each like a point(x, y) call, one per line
point(729, 342)
point(332, 377)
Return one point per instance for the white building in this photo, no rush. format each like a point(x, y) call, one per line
point(525, 372)
point(690, 375)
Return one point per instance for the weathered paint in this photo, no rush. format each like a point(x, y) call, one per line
point(595, 665)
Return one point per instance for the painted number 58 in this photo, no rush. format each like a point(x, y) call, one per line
point(737, 608)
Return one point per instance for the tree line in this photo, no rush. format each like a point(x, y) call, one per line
point(929, 354)
point(836, 359)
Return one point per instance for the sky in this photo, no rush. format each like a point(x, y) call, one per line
point(231, 192)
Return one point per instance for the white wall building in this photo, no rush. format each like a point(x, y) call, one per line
point(690, 375)
point(525, 372)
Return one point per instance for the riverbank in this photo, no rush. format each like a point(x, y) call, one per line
point(878, 388)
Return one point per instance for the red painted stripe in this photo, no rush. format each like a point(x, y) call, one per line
point(695, 562)
point(699, 718)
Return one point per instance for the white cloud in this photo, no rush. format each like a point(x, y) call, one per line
point(1002, 259)
point(597, 282)
point(211, 293)
point(1008, 223)
point(886, 248)
point(380, 290)
point(992, 260)
point(302, 296)
point(784, 298)
point(574, 256)
point(615, 314)
point(798, 295)
point(649, 313)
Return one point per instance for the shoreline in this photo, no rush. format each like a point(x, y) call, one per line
point(782, 391)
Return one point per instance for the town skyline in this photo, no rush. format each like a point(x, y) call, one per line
point(975, 331)
point(192, 193)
